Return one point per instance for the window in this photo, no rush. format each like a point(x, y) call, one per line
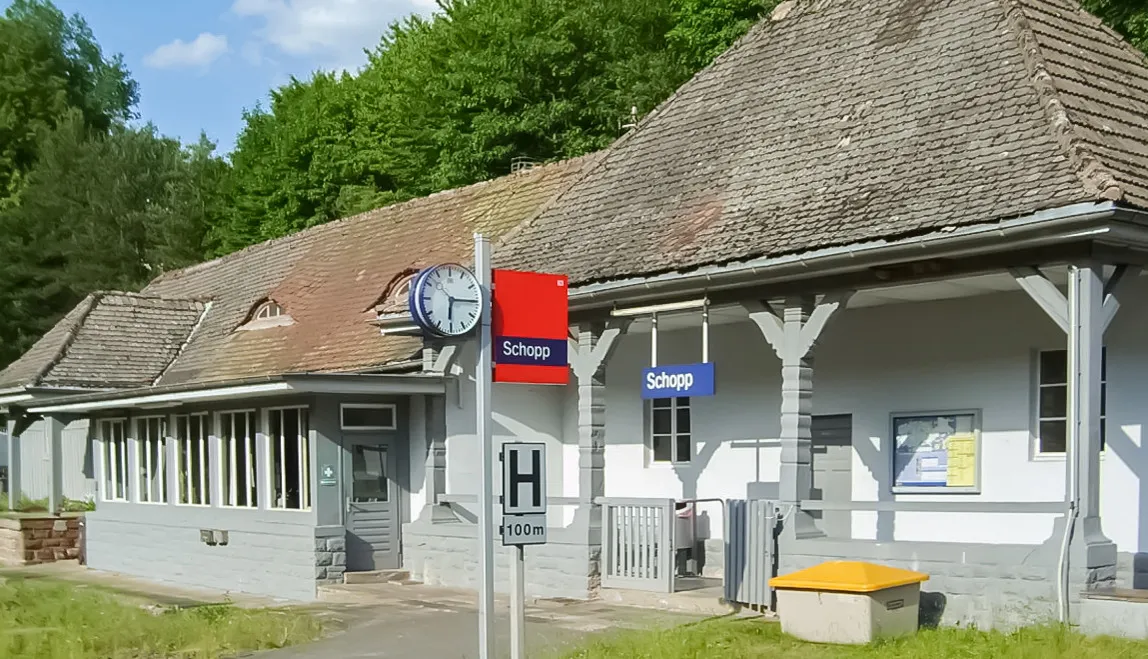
point(268, 309)
point(152, 467)
point(670, 430)
point(290, 458)
point(191, 461)
point(368, 417)
point(1052, 401)
point(114, 458)
point(237, 458)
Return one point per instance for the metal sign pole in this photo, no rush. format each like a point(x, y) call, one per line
point(518, 605)
point(482, 379)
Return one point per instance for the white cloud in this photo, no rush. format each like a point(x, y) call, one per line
point(333, 31)
point(205, 49)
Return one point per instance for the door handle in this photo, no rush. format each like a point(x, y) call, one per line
point(348, 505)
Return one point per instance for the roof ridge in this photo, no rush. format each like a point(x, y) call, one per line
point(779, 13)
point(204, 310)
point(1089, 168)
point(92, 300)
point(150, 296)
point(307, 232)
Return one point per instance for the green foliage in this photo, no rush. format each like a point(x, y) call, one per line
point(703, 29)
point(101, 212)
point(45, 620)
point(452, 99)
point(755, 639)
point(1129, 17)
point(50, 65)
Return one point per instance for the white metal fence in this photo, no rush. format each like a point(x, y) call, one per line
point(638, 544)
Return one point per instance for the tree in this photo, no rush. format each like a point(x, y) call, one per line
point(51, 64)
point(704, 29)
point(101, 212)
point(1129, 17)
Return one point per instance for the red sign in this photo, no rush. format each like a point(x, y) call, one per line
point(529, 328)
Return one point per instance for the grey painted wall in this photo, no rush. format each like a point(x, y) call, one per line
point(447, 555)
point(77, 469)
point(268, 552)
point(280, 553)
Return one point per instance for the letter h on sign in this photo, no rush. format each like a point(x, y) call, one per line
point(523, 478)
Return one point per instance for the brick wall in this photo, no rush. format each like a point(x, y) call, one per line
point(31, 540)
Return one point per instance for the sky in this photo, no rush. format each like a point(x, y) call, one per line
point(200, 63)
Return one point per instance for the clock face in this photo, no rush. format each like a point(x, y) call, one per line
point(447, 300)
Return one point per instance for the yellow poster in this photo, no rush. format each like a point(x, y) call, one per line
point(962, 454)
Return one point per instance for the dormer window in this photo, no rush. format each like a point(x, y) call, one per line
point(395, 298)
point(268, 309)
point(265, 314)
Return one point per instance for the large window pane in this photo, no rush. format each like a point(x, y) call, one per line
point(1052, 436)
point(1054, 367)
point(290, 459)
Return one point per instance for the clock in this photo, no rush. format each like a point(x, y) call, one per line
point(446, 300)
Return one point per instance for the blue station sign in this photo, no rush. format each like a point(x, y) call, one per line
point(530, 351)
point(678, 381)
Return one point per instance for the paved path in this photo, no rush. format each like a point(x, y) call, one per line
point(430, 623)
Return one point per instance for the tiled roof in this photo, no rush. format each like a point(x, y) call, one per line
point(838, 121)
point(330, 278)
point(109, 340)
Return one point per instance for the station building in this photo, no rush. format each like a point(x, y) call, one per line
point(906, 236)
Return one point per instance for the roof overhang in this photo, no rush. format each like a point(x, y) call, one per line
point(1101, 222)
point(286, 385)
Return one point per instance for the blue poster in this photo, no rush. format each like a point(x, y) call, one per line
point(678, 381)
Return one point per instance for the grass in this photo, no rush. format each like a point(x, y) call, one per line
point(751, 638)
point(51, 620)
point(27, 505)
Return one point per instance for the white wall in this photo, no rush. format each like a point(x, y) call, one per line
point(871, 362)
point(522, 413)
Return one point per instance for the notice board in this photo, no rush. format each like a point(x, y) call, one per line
point(936, 452)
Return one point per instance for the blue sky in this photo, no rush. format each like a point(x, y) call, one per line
point(199, 63)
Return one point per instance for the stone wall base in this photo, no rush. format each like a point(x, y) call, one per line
point(447, 555)
point(39, 539)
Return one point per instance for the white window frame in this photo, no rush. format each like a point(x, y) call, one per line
point(674, 436)
point(303, 463)
point(114, 470)
point(197, 490)
point(1038, 419)
point(147, 469)
point(369, 406)
point(228, 459)
point(267, 310)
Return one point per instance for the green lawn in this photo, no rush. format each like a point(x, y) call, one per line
point(751, 638)
point(41, 619)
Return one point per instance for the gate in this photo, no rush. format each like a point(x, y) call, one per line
point(750, 550)
point(638, 544)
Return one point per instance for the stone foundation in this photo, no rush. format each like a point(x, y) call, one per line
point(330, 554)
point(32, 539)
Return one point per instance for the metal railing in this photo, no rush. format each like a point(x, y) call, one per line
point(637, 543)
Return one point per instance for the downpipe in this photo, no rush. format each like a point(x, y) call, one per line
point(1062, 565)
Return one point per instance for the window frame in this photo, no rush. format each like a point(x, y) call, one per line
point(303, 462)
point(369, 406)
point(272, 308)
point(205, 482)
point(676, 404)
point(228, 448)
point(144, 473)
point(1037, 418)
point(106, 467)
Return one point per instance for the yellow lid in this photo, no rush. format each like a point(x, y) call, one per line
point(847, 577)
